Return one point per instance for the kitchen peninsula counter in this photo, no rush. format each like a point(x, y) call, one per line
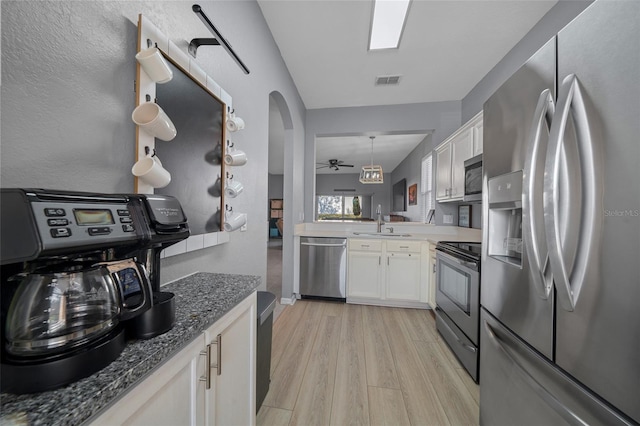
point(201, 299)
point(414, 231)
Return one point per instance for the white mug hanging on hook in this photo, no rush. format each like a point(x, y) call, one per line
point(149, 169)
point(233, 188)
point(234, 123)
point(234, 221)
point(154, 64)
point(154, 121)
point(235, 157)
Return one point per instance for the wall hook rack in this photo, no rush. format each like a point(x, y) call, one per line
point(217, 41)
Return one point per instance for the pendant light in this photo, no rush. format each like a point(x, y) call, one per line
point(371, 174)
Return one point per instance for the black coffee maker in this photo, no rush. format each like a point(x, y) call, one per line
point(75, 281)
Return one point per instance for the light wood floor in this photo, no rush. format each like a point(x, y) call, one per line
point(341, 364)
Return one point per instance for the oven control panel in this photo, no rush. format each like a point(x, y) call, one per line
point(69, 224)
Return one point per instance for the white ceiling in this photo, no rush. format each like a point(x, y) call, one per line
point(447, 47)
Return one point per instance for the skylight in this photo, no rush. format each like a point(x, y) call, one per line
point(387, 24)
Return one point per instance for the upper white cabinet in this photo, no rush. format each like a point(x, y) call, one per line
point(477, 134)
point(465, 143)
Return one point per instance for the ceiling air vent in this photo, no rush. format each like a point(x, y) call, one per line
point(387, 80)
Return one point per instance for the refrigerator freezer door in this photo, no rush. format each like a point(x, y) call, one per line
point(598, 342)
point(509, 290)
point(520, 387)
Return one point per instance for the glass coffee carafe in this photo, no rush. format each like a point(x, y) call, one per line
point(52, 312)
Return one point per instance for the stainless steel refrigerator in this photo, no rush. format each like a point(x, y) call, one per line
point(560, 293)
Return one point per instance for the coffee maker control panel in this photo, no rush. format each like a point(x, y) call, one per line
point(72, 224)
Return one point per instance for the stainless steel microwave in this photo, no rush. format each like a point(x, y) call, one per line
point(473, 179)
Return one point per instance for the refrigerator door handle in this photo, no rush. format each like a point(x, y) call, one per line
point(588, 227)
point(566, 413)
point(532, 227)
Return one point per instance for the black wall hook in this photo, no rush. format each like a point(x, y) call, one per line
point(147, 150)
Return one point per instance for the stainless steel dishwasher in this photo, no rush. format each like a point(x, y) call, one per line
point(323, 268)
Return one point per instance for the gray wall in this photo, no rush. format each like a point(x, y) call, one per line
point(558, 17)
point(68, 73)
point(411, 169)
point(276, 186)
point(442, 118)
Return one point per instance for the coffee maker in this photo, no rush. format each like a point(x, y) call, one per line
point(80, 273)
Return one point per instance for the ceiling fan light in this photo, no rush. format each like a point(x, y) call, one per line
point(371, 174)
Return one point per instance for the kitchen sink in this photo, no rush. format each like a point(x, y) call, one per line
point(380, 234)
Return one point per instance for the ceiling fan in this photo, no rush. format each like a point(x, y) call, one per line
point(332, 164)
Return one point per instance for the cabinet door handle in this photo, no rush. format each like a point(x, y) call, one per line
point(387, 260)
point(379, 260)
point(207, 371)
point(218, 344)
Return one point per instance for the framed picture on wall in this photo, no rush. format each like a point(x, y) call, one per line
point(464, 216)
point(413, 194)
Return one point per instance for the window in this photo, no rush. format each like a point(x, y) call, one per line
point(426, 188)
point(339, 207)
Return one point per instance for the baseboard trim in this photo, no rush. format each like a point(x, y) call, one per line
point(287, 300)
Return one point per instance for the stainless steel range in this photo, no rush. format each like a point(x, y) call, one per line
point(458, 300)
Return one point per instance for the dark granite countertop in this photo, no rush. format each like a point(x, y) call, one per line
point(201, 299)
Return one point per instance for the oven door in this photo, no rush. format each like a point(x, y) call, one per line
point(458, 292)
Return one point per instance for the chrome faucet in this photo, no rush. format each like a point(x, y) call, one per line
point(380, 222)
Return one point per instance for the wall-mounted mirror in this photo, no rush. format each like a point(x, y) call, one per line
point(197, 106)
point(339, 159)
point(194, 157)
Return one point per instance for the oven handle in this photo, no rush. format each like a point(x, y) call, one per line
point(469, 265)
point(453, 333)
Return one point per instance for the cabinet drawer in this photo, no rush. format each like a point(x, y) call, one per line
point(365, 245)
point(404, 246)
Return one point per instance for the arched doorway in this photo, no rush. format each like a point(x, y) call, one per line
point(280, 239)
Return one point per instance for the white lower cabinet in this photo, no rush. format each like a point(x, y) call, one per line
point(183, 391)
point(403, 276)
point(387, 273)
point(365, 271)
point(230, 399)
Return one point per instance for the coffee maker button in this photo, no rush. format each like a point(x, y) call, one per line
point(57, 222)
point(128, 228)
point(54, 212)
point(60, 232)
point(100, 230)
point(124, 213)
point(126, 220)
